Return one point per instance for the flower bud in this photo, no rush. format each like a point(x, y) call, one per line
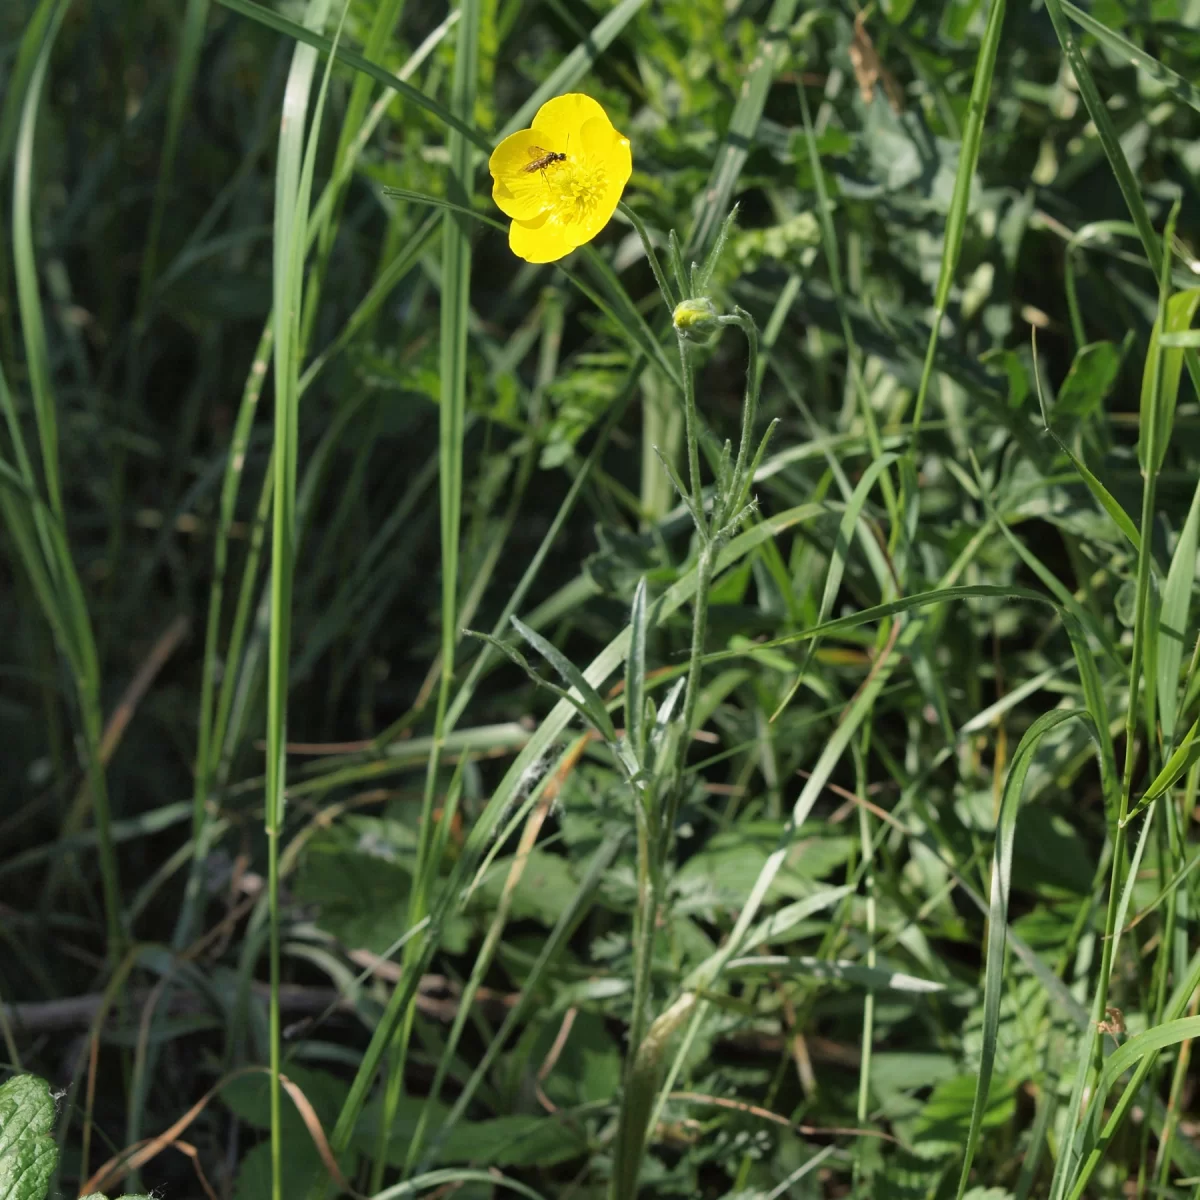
point(697, 320)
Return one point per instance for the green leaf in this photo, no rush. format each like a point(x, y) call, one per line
point(984, 1107)
point(1126, 51)
point(1173, 628)
point(358, 874)
point(28, 1154)
point(248, 1097)
point(1181, 311)
point(573, 676)
point(301, 1166)
point(576, 64)
point(779, 925)
point(1173, 770)
point(942, 1127)
point(635, 676)
point(956, 218)
point(769, 56)
point(842, 972)
point(546, 887)
point(515, 1141)
point(721, 874)
point(1091, 377)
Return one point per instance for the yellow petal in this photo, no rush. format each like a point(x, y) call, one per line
point(561, 119)
point(542, 240)
point(604, 147)
point(518, 192)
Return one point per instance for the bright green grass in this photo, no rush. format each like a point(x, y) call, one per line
point(610, 760)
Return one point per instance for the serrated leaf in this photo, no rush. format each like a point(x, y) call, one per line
point(544, 889)
point(26, 1110)
point(942, 1127)
point(28, 1153)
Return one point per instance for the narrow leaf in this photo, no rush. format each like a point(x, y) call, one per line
point(594, 706)
point(1173, 620)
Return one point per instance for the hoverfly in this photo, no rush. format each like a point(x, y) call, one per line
point(541, 159)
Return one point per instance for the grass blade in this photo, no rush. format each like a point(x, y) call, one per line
point(309, 37)
point(452, 369)
point(72, 618)
point(635, 677)
point(293, 189)
point(33, 322)
point(743, 125)
point(1158, 408)
point(483, 832)
point(591, 703)
point(1173, 625)
point(1175, 83)
point(998, 917)
point(191, 42)
point(576, 64)
point(956, 218)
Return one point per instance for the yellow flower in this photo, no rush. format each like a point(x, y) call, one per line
point(560, 181)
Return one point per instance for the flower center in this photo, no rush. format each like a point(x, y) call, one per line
point(576, 188)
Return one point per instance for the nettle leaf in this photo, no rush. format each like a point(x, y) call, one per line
point(589, 1065)
point(358, 875)
point(248, 1097)
point(898, 153)
point(905, 1178)
point(302, 1167)
point(1021, 1008)
point(721, 875)
point(28, 1154)
point(508, 1141)
point(545, 888)
point(941, 1129)
point(515, 1141)
point(623, 559)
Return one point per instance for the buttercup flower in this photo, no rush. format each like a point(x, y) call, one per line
point(560, 180)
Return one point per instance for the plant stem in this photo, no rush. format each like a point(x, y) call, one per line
point(645, 923)
point(744, 321)
point(690, 431)
point(704, 576)
point(668, 296)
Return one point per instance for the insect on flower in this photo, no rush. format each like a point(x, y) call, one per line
point(543, 158)
point(560, 180)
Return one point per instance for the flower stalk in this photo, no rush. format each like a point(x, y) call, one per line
point(697, 322)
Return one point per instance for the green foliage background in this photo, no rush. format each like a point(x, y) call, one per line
point(266, 804)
